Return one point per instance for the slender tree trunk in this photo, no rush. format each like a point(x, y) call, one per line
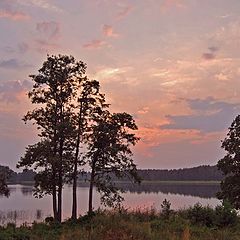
point(54, 195)
point(75, 171)
point(59, 204)
point(74, 196)
point(60, 181)
point(55, 203)
point(90, 200)
point(54, 190)
point(60, 163)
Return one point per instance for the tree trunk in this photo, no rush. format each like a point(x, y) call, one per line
point(59, 215)
point(90, 200)
point(60, 177)
point(75, 172)
point(54, 203)
point(60, 181)
point(74, 196)
point(54, 196)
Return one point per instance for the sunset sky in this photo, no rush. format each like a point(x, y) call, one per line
point(173, 64)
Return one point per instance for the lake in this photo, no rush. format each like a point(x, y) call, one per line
point(22, 207)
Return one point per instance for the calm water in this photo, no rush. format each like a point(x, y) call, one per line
point(22, 207)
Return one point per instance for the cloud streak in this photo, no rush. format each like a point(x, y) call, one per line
point(11, 91)
point(50, 30)
point(44, 46)
point(169, 4)
point(94, 44)
point(124, 11)
point(13, 15)
point(13, 64)
point(109, 32)
point(209, 116)
point(43, 4)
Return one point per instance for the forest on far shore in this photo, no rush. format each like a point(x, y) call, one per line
point(200, 173)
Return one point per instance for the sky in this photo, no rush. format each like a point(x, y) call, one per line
point(173, 64)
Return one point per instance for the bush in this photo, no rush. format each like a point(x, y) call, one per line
point(222, 216)
point(166, 209)
point(201, 215)
point(225, 215)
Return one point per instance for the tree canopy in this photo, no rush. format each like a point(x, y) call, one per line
point(5, 174)
point(230, 165)
point(109, 154)
point(71, 114)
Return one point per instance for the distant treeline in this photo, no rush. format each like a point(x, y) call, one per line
point(201, 173)
point(24, 176)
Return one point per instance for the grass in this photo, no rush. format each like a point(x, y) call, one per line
point(122, 224)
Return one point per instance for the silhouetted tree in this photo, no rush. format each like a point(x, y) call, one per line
point(5, 174)
point(109, 155)
point(54, 92)
point(230, 165)
point(89, 99)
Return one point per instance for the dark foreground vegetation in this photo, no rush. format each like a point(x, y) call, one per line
point(195, 223)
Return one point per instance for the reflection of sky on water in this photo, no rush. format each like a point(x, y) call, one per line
point(155, 199)
point(22, 207)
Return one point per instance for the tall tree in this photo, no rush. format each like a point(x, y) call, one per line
point(230, 165)
point(89, 99)
point(109, 155)
point(54, 92)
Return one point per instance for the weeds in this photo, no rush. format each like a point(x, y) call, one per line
point(196, 223)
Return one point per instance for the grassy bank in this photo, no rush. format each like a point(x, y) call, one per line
point(196, 223)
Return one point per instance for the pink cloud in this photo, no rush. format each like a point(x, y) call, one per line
point(208, 56)
point(108, 31)
point(168, 4)
point(13, 15)
point(44, 4)
point(94, 44)
point(12, 91)
point(45, 46)
point(124, 11)
point(51, 30)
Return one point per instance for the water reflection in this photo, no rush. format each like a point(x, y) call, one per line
point(27, 190)
point(21, 207)
point(196, 190)
point(19, 217)
point(202, 190)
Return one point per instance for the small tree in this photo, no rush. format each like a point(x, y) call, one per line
point(230, 165)
point(110, 156)
point(5, 173)
point(166, 208)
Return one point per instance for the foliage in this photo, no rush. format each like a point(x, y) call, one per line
point(109, 154)
point(225, 215)
point(123, 225)
point(200, 173)
point(166, 211)
point(202, 215)
point(71, 112)
point(222, 216)
point(54, 92)
point(230, 165)
point(5, 174)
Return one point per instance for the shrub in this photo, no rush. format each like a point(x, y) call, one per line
point(166, 209)
point(201, 215)
point(225, 215)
